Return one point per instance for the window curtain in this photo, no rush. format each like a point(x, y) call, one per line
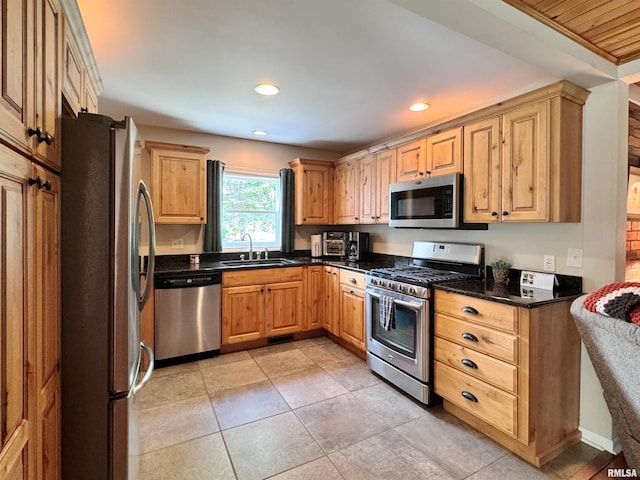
point(213, 227)
point(287, 191)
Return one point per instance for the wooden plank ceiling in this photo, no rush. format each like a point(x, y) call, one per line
point(610, 28)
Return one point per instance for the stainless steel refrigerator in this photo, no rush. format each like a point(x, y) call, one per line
point(106, 215)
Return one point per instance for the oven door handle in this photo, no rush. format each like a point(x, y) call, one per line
point(412, 306)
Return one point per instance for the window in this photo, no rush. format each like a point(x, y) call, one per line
point(250, 204)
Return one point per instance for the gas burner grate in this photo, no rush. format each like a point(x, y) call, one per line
point(421, 275)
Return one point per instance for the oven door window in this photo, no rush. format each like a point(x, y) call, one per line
point(402, 338)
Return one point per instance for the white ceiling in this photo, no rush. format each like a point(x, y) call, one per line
point(347, 69)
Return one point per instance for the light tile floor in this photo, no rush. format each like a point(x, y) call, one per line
point(309, 410)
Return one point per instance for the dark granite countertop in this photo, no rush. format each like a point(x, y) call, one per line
point(568, 289)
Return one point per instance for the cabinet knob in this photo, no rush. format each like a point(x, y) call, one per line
point(352, 280)
point(420, 173)
point(34, 131)
point(505, 213)
point(494, 214)
point(84, 110)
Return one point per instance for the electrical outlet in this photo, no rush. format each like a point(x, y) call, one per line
point(574, 257)
point(549, 263)
point(177, 243)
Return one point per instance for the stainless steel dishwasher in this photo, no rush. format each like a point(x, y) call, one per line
point(187, 313)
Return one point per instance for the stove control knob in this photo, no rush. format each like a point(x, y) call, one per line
point(374, 281)
point(412, 290)
point(401, 288)
point(392, 286)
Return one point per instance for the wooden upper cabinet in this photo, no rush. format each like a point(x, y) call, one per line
point(314, 187)
point(77, 87)
point(444, 152)
point(377, 172)
point(178, 182)
point(347, 192)
point(411, 160)
point(524, 164)
point(48, 104)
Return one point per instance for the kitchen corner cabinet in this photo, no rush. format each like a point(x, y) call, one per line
point(525, 164)
point(314, 284)
point(352, 305)
point(511, 372)
point(313, 191)
point(331, 319)
point(347, 192)
point(253, 311)
point(377, 172)
point(178, 183)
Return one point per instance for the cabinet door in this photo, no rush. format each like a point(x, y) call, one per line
point(347, 209)
point(385, 176)
point(48, 106)
point(72, 72)
point(242, 314)
point(17, 444)
point(314, 282)
point(284, 308)
point(16, 68)
point(411, 160)
point(314, 204)
point(331, 320)
point(525, 164)
point(444, 152)
point(178, 183)
point(482, 178)
point(352, 316)
point(368, 191)
point(46, 227)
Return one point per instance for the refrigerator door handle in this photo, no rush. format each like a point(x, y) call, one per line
point(143, 192)
point(147, 374)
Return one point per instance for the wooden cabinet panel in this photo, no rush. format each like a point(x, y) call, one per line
point(48, 104)
point(243, 312)
point(73, 73)
point(266, 275)
point(16, 68)
point(368, 190)
point(48, 454)
point(525, 164)
point(352, 279)
point(314, 187)
point(17, 338)
point(346, 190)
point(284, 308)
point(482, 171)
point(331, 320)
point(314, 282)
point(444, 152)
point(485, 312)
point(494, 406)
point(178, 183)
point(411, 160)
point(352, 304)
point(483, 367)
point(385, 176)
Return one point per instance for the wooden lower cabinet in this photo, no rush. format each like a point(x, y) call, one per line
point(253, 311)
point(352, 316)
point(511, 372)
point(314, 284)
point(331, 320)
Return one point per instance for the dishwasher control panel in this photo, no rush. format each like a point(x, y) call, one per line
point(187, 281)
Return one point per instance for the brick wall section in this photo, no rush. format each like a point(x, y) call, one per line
point(632, 270)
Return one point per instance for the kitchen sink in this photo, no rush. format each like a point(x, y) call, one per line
point(264, 262)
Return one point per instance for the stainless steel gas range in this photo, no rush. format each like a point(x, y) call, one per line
point(399, 313)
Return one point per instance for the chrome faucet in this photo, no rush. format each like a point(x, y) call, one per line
point(250, 244)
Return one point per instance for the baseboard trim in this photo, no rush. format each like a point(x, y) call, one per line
point(600, 442)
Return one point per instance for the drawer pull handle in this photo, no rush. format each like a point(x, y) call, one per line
point(352, 280)
point(470, 310)
point(469, 396)
point(469, 363)
point(469, 336)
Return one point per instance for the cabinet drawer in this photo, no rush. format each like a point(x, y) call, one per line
point(476, 337)
point(488, 403)
point(486, 312)
point(261, 276)
point(355, 279)
point(478, 365)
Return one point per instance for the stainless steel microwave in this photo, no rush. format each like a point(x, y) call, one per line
point(434, 202)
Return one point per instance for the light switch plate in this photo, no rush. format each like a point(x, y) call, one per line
point(545, 281)
point(574, 257)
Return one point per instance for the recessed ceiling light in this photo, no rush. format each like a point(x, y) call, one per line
point(260, 132)
point(418, 107)
point(267, 89)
